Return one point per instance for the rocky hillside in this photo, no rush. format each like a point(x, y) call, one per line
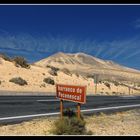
point(87, 65)
point(71, 69)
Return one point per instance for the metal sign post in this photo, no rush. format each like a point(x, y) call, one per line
point(78, 111)
point(61, 109)
point(96, 81)
point(129, 90)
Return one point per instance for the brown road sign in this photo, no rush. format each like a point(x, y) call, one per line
point(71, 93)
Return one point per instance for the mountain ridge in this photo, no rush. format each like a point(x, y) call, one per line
point(73, 71)
point(84, 59)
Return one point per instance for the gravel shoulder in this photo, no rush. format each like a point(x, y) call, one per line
point(121, 123)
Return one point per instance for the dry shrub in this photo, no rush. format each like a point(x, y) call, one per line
point(53, 72)
point(69, 112)
point(138, 85)
point(66, 71)
point(53, 68)
point(21, 61)
point(49, 80)
point(19, 81)
point(5, 57)
point(43, 85)
point(77, 74)
point(70, 124)
point(107, 84)
point(116, 83)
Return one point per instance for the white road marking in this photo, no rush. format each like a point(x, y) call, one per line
point(48, 100)
point(113, 107)
point(29, 116)
point(57, 113)
point(128, 97)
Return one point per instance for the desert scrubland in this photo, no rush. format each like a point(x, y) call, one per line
point(62, 69)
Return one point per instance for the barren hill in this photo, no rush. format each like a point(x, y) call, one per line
point(72, 69)
point(88, 65)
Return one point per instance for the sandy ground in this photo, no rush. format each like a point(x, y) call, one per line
point(122, 123)
point(35, 75)
point(125, 123)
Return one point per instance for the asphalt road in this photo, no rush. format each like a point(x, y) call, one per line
point(14, 109)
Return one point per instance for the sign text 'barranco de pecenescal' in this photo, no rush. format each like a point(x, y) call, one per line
point(71, 93)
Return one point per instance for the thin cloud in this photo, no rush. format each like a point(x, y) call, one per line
point(99, 51)
point(133, 54)
point(123, 46)
point(36, 48)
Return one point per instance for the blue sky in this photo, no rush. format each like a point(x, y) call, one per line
point(109, 32)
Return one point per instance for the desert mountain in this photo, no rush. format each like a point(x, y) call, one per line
point(75, 69)
point(88, 65)
point(80, 59)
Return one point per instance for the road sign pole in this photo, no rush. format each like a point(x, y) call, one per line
point(61, 109)
point(78, 110)
point(95, 81)
point(129, 90)
point(95, 88)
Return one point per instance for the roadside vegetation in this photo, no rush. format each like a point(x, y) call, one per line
point(66, 71)
point(19, 81)
point(5, 57)
point(119, 123)
point(18, 60)
point(53, 72)
point(21, 62)
point(107, 84)
point(139, 85)
point(70, 125)
point(53, 68)
point(49, 80)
